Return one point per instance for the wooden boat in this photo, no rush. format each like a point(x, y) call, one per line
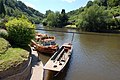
point(38, 36)
point(44, 37)
point(49, 47)
point(44, 44)
point(59, 60)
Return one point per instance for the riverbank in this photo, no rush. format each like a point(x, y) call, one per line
point(71, 26)
point(11, 57)
point(101, 31)
point(74, 29)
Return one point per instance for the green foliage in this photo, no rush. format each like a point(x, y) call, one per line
point(90, 3)
point(3, 45)
point(113, 3)
point(63, 18)
point(74, 16)
point(115, 11)
point(11, 57)
point(2, 9)
point(99, 15)
point(56, 19)
point(44, 22)
point(20, 31)
point(51, 18)
point(3, 33)
point(94, 19)
point(48, 12)
point(17, 8)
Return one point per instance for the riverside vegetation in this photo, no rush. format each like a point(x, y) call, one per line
point(96, 16)
point(14, 41)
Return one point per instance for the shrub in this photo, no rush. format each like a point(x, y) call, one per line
point(3, 33)
point(2, 23)
point(20, 31)
point(3, 45)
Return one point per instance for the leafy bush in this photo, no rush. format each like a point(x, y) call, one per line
point(20, 31)
point(3, 45)
point(3, 33)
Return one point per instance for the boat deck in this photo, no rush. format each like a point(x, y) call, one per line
point(58, 60)
point(56, 65)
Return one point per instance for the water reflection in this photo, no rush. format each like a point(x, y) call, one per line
point(95, 57)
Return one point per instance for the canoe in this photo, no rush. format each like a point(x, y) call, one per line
point(59, 60)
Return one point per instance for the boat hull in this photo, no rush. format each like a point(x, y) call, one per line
point(57, 63)
point(50, 50)
point(46, 50)
point(56, 75)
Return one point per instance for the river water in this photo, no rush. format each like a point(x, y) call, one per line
point(95, 57)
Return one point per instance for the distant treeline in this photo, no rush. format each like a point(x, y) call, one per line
point(97, 15)
point(56, 19)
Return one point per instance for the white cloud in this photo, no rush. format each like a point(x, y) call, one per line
point(69, 1)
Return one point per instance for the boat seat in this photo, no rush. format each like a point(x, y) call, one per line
point(55, 66)
point(60, 63)
point(66, 49)
point(63, 60)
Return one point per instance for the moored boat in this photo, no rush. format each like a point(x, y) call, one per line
point(38, 36)
point(45, 44)
point(59, 60)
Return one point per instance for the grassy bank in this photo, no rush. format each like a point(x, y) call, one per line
point(11, 57)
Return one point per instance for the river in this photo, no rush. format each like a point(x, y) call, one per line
point(95, 57)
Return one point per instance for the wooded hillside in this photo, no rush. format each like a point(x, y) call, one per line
point(17, 8)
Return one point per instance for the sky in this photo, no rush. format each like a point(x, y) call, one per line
point(55, 5)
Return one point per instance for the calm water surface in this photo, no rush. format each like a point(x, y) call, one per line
point(95, 57)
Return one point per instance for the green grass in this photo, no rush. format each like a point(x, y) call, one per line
point(12, 57)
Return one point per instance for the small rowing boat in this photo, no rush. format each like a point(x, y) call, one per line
point(59, 60)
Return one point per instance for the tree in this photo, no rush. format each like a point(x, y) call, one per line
point(48, 12)
point(90, 3)
point(113, 3)
point(94, 19)
point(2, 9)
point(63, 18)
point(101, 2)
point(56, 19)
point(51, 19)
